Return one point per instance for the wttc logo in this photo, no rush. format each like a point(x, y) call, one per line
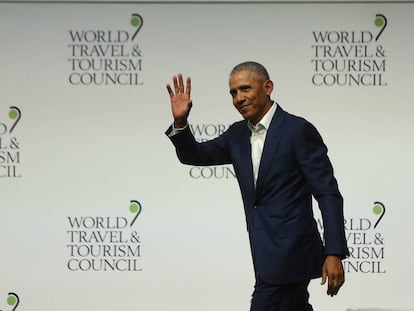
point(366, 242)
point(350, 57)
point(106, 57)
point(9, 145)
point(12, 302)
point(104, 243)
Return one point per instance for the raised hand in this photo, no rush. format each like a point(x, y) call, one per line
point(180, 100)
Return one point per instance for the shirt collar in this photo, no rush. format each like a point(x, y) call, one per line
point(265, 121)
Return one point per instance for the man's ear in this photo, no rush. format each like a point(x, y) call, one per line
point(268, 87)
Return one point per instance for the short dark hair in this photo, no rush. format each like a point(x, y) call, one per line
point(255, 67)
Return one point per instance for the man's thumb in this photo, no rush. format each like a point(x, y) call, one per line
point(323, 277)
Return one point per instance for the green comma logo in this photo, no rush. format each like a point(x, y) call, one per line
point(135, 208)
point(379, 210)
point(380, 22)
point(14, 115)
point(136, 21)
point(12, 301)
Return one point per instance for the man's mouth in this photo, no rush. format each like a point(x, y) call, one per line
point(243, 108)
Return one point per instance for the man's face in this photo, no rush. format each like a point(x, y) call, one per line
point(250, 94)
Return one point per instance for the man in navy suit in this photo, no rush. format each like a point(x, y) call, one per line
point(280, 162)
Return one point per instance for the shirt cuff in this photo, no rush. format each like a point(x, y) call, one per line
point(176, 130)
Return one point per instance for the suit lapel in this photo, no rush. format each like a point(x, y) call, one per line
point(271, 145)
point(245, 164)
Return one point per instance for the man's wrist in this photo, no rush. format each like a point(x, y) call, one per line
point(179, 124)
point(174, 130)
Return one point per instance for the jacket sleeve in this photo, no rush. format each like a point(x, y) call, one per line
point(191, 152)
point(311, 154)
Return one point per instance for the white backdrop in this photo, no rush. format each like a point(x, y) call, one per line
point(69, 150)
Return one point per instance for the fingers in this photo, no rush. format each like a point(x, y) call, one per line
point(333, 272)
point(188, 87)
point(333, 287)
point(175, 82)
point(335, 282)
point(170, 91)
point(178, 83)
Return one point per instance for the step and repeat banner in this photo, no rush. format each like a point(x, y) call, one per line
point(96, 212)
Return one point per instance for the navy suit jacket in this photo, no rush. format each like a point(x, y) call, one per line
point(285, 243)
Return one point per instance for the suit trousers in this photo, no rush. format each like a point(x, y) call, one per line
point(282, 297)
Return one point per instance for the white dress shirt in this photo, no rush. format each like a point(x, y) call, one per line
point(258, 137)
